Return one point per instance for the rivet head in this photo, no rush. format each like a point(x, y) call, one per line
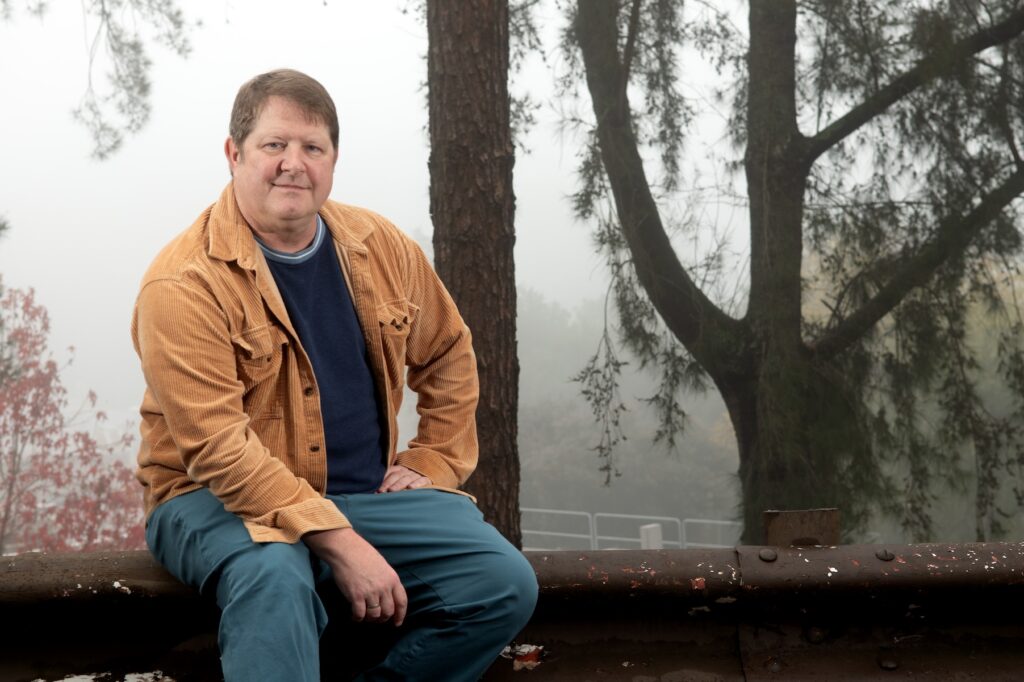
point(815, 635)
point(774, 665)
point(885, 555)
point(888, 663)
point(767, 554)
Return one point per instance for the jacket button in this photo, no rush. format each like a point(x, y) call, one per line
point(314, 448)
point(308, 391)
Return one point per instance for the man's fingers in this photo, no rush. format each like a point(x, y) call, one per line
point(358, 610)
point(387, 608)
point(401, 602)
point(391, 479)
point(398, 477)
point(403, 481)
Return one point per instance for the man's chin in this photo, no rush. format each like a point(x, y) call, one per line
point(291, 213)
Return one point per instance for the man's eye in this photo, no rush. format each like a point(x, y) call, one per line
point(313, 148)
point(273, 145)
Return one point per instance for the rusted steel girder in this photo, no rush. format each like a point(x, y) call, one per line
point(937, 612)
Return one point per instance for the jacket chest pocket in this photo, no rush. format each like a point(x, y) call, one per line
point(395, 319)
point(258, 355)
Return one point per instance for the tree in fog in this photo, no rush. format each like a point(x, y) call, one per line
point(472, 206)
point(60, 488)
point(880, 148)
point(116, 32)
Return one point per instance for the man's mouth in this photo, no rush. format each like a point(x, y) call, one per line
point(285, 186)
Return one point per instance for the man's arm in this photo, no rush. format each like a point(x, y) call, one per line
point(182, 337)
point(183, 340)
point(442, 371)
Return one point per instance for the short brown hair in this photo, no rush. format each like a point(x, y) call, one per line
point(289, 84)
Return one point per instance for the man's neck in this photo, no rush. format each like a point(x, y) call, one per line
point(288, 238)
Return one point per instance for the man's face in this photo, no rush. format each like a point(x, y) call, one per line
point(284, 170)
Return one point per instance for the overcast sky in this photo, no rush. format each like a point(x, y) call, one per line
point(83, 232)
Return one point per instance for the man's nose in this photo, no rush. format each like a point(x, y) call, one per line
point(291, 160)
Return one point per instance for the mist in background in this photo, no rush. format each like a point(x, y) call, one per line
point(84, 231)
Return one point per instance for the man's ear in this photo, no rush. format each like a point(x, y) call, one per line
point(233, 154)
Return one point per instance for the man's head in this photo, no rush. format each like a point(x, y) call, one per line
point(282, 151)
point(294, 86)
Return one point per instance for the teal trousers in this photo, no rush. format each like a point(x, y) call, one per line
point(469, 590)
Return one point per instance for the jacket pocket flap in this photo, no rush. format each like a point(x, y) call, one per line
point(395, 317)
point(255, 342)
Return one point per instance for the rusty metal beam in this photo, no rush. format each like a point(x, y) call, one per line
point(875, 568)
point(850, 612)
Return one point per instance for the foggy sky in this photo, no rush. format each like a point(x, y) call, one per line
point(83, 231)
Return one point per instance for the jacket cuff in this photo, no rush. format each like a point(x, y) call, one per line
point(289, 524)
point(428, 463)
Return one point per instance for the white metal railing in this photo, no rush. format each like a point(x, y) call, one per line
point(589, 536)
point(680, 543)
point(728, 540)
point(649, 535)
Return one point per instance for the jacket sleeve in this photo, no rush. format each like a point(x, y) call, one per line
point(442, 371)
point(183, 340)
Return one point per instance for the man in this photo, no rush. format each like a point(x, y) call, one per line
point(274, 336)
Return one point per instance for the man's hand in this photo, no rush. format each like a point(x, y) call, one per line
point(365, 578)
point(397, 477)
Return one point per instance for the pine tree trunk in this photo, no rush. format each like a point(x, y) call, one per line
point(798, 440)
point(794, 427)
point(473, 206)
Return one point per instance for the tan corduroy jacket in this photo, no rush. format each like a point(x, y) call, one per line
point(231, 402)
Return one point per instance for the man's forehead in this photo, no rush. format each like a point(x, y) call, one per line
point(280, 105)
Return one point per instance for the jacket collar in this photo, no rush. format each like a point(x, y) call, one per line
point(231, 239)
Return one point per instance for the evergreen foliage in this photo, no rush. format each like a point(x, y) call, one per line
point(116, 31)
point(879, 144)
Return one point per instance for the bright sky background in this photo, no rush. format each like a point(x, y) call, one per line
point(83, 232)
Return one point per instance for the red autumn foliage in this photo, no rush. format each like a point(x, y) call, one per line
point(60, 489)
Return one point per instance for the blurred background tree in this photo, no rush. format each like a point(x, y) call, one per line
point(116, 37)
point(472, 207)
point(60, 488)
point(878, 144)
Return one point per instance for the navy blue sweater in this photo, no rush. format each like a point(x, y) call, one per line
point(321, 311)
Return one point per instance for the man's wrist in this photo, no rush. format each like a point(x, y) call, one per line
point(327, 543)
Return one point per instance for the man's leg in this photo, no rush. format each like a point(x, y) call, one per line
point(271, 617)
point(470, 591)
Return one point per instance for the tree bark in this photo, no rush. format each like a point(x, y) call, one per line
point(800, 425)
point(789, 411)
point(473, 206)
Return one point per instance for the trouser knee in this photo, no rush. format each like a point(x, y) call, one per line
point(523, 585)
point(511, 584)
point(275, 576)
